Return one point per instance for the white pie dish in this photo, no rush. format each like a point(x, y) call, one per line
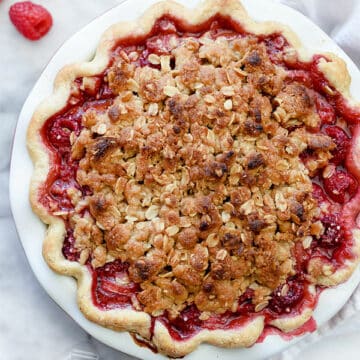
point(63, 289)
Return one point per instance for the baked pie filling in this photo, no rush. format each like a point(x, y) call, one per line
point(204, 177)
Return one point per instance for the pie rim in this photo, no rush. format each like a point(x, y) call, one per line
point(335, 71)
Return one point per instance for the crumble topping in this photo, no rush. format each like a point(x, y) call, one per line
point(196, 176)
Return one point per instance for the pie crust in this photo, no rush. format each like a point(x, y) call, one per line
point(141, 323)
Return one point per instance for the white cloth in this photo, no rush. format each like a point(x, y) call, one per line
point(22, 332)
point(339, 19)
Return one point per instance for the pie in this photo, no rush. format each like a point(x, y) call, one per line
point(199, 178)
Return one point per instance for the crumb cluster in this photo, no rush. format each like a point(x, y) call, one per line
point(195, 174)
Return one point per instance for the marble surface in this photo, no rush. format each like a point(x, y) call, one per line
point(32, 326)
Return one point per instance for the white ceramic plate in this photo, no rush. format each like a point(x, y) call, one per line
point(31, 230)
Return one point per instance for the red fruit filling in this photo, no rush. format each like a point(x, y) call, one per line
point(59, 136)
point(68, 249)
point(58, 192)
point(245, 303)
point(319, 194)
point(111, 287)
point(185, 325)
point(188, 323)
point(287, 295)
point(325, 110)
point(342, 142)
point(333, 232)
point(302, 257)
point(340, 186)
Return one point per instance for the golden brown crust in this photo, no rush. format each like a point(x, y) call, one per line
point(288, 324)
point(139, 322)
point(243, 337)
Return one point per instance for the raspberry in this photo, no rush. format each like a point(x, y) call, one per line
point(245, 302)
point(58, 192)
point(59, 133)
point(31, 20)
point(340, 186)
point(282, 303)
point(325, 110)
point(342, 142)
point(333, 233)
point(319, 194)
